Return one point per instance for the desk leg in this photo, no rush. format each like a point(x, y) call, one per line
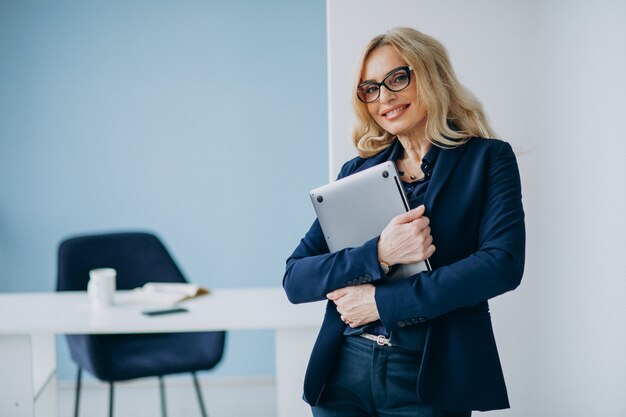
point(27, 376)
point(293, 347)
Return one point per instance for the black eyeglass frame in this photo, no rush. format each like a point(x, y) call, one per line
point(407, 70)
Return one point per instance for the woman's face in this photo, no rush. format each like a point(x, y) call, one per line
point(399, 113)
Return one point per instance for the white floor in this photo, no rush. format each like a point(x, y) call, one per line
point(235, 397)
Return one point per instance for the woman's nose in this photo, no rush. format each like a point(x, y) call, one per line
point(386, 95)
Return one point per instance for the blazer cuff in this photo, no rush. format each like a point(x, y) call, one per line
point(393, 308)
point(369, 266)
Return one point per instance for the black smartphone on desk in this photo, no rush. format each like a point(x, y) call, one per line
point(165, 311)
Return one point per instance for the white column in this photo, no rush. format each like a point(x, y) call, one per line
point(293, 348)
point(27, 376)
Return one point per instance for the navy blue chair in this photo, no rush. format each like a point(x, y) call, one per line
point(138, 258)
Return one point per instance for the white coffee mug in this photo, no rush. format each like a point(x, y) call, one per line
point(101, 287)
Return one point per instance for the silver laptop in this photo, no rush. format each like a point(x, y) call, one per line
point(356, 208)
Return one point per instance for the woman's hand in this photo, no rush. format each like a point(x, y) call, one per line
point(406, 239)
point(356, 305)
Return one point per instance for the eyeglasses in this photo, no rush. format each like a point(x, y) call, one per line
point(397, 80)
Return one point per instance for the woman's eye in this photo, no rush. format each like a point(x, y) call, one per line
point(398, 79)
point(368, 89)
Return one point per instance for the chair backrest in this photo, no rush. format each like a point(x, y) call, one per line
point(138, 257)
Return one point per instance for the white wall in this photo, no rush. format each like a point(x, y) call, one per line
point(552, 78)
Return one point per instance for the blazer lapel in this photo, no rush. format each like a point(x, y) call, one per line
point(446, 161)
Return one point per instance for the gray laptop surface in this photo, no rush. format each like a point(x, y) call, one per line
point(356, 208)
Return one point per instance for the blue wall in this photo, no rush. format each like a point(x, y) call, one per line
point(204, 121)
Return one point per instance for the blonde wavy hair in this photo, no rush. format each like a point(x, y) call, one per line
point(454, 113)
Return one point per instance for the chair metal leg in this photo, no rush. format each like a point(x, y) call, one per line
point(111, 399)
point(199, 393)
point(162, 389)
point(79, 377)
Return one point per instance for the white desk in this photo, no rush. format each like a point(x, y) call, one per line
point(29, 322)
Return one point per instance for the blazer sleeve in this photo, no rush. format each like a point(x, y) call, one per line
point(312, 272)
point(496, 266)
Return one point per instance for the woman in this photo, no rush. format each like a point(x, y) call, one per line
point(422, 345)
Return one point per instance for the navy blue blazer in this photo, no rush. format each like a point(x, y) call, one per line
point(474, 204)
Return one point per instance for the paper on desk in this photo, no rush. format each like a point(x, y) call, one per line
point(164, 293)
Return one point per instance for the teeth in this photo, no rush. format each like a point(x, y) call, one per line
point(395, 111)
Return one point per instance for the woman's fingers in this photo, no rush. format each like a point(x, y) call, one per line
point(403, 243)
point(358, 305)
point(409, 216)
point(421, 223)
point(335, 295)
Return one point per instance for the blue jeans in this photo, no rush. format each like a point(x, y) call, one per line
point(375, 381)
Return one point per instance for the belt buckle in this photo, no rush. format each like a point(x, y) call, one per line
point(382, 340)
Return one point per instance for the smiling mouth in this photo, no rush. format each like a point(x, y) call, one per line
point(395, 111)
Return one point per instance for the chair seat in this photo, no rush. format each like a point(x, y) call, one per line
point(131, 356)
